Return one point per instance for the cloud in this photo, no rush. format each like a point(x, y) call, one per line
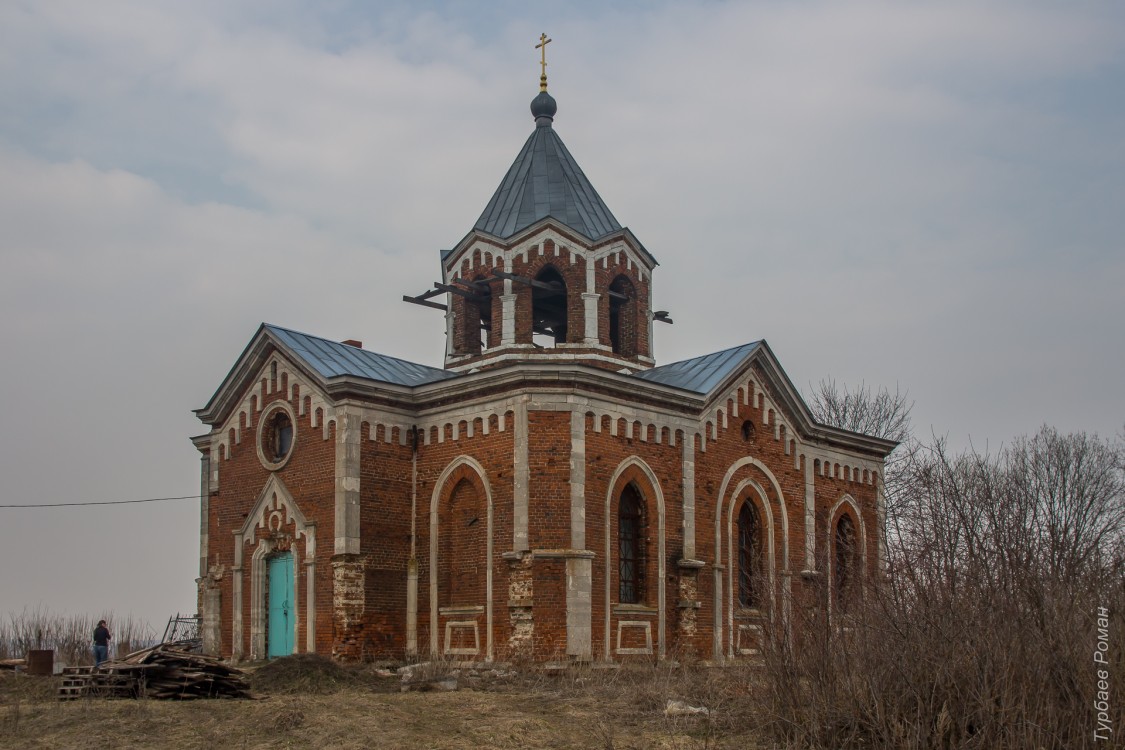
point(925, 193)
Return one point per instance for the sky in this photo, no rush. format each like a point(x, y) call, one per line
point(928, 195)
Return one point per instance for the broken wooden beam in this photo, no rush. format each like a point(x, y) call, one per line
point(473, 296)
point(420, 300)
point(552, 286)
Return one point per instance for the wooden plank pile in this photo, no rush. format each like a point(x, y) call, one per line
point(169, 671)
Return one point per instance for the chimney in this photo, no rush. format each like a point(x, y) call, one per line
point(353, 342)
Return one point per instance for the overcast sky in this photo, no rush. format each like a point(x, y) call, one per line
point(928, 194)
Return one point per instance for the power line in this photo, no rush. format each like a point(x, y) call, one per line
point(102, 502)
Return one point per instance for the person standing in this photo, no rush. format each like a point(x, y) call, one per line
point(102, 638)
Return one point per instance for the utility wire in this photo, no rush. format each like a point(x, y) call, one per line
point(103, 502)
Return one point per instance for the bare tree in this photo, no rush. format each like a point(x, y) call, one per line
point(1076, 488)
point(881, 414)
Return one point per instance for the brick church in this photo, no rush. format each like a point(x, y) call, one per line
point(551, 493)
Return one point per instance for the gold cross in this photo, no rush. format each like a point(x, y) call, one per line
point(543, 42)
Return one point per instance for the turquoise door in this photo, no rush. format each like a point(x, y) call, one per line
point(279, 641)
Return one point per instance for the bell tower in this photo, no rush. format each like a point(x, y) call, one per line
point(547, 273)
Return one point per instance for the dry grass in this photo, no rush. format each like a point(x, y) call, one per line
point(303, 674)
point(582, 708)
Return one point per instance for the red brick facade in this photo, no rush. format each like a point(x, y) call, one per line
point(489, 506)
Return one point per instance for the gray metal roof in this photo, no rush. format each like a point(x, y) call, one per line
point(332, 359)
point(545, 180)
point(700, 374)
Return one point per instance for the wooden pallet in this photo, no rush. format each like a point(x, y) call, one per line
point(74, 683)
point(84, 682)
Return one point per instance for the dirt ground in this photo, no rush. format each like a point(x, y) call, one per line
point(608, 710)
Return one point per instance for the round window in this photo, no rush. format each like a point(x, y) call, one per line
point(276, 435)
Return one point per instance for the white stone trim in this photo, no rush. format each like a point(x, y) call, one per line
point(552, 354)
point(590, 315)
point(643, 625)
point(579, 607)
point(881, 531)
point(578, 479)
point(204, 512)
point(450, 626)
point(521, 480)
point(507, 315)
point(632, 259)
point(688, 489)
point(746, 627)
point(810, 516)
point(349, 421)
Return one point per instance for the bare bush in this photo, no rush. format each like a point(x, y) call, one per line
point(70, 636)
point(985, 632)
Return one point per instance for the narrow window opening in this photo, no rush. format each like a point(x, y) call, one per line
point(748, 432)
point(630, 546)
point(845, 573)
point(623, 317)
point(549, 309)
point(749, 556)
point(474, 319)
point(483, 316)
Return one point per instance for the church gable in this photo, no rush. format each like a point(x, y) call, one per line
point(750, 375)
point(276, 379)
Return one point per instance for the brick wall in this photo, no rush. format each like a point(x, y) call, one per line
point(372, 623)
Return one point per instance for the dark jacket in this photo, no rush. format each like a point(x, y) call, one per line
point(101, 635)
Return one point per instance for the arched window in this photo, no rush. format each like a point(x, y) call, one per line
point(845, 572)
point(630, 546)
point(549, 308)
point(623, 317)
point(749, 556)
point(481, 314)
point(474, 323)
